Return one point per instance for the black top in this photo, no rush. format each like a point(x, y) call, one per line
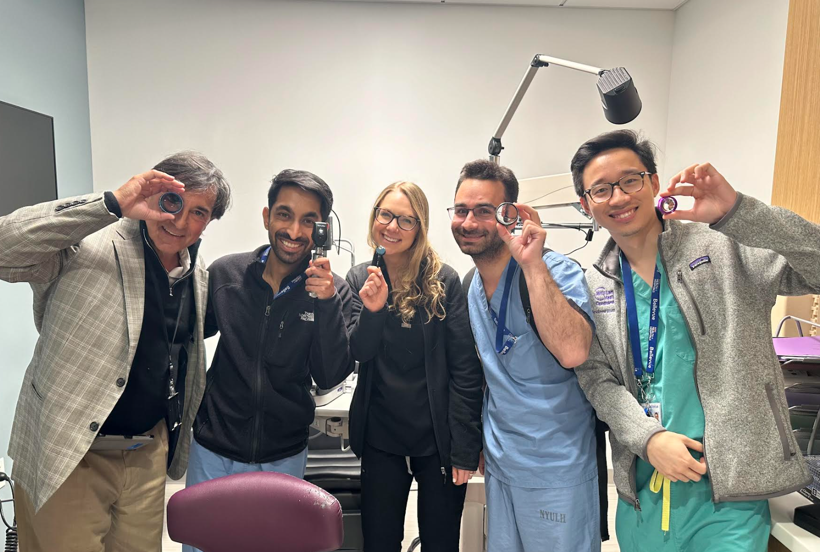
point(453, 372)
point(144, 401)
point(399, 419)
point(257, 405)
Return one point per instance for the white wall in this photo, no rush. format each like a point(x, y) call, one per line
point(724, 102)
point(42, 68)
point(360, 93)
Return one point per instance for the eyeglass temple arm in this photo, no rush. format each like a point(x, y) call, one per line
point(540, 60)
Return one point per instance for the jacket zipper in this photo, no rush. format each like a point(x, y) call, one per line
point(695, 347)
point(178, 280)
point(257, 416)
point(633, 388)
point(633, 482)
point(432, 410)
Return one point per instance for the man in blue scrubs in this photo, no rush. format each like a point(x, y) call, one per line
point(539, 441)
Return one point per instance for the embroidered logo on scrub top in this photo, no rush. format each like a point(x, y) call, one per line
point(699, 261)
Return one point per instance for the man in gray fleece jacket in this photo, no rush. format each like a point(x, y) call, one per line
point(699, 422)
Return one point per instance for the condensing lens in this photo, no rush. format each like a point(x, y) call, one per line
point(506, 214)
point(171, 202)
point(667, 204)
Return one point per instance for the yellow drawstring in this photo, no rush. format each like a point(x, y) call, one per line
point(659, 481)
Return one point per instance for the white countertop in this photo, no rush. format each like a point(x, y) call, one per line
point(338, 407)
point(783, 528)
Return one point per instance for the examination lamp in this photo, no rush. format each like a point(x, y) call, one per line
point(621, 104)
point(619, 97)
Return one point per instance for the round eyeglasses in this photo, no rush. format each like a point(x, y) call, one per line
point(385, 217)
point(506, 213)
point(629, 184)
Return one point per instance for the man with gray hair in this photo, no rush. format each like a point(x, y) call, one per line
point(110, 395)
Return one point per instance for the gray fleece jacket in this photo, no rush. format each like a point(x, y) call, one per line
point(725, 278)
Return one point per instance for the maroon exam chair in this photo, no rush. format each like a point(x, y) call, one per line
point(256, 512)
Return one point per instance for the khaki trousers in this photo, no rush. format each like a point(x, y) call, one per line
point(113, 501)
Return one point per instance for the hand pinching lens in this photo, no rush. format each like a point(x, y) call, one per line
point(667, 205)
point(171, 202)
point(506, 214)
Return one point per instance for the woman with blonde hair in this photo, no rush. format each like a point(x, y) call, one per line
point(416, 412)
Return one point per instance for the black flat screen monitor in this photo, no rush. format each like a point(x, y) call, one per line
point(28, 173)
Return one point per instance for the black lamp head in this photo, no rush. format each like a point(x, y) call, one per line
point(619, 96)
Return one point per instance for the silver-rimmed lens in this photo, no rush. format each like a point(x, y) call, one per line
point(506, 214)
point(171, 202)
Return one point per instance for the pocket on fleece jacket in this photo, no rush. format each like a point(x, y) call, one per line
point(778, 420)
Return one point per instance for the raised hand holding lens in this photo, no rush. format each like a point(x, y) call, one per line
point(171, 202)
point(667, 205)
point(506, 214)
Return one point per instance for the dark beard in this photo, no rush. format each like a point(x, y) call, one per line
point(491, 252)
point(493, 249)
point(284, 257)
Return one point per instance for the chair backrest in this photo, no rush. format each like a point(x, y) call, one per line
point(256, 512)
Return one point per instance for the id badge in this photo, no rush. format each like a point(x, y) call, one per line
point(653, 410)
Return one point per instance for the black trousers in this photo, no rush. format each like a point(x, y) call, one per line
point(385, 489)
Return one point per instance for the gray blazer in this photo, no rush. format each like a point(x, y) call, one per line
point(87, 271)
point(725, 279)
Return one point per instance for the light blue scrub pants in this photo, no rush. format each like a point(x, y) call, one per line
point(204, 465)
point(542, 520)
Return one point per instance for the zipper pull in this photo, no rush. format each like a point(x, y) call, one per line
point(170, 291)
point(281, 327)
point(443, 476)
point(267, 310)
point(680, 276)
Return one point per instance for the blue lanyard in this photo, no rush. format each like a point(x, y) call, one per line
point(632, 316)
point(504, 344)
point(293, 283)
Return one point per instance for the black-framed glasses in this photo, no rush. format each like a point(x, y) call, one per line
point(629, 184)
point(484, 213)
point(385, 217)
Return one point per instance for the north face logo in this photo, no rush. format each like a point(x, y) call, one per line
point(306, 316)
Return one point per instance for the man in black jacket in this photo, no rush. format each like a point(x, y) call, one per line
point(273, 338)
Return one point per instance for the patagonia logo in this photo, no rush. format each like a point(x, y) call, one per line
point(306, 316)
point(604, 300)
point(699, 261)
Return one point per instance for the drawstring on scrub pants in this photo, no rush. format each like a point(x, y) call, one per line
point(657, 483)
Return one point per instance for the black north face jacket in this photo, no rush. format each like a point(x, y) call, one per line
point(257, 405)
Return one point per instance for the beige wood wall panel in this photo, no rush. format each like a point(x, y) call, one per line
point(797, 162)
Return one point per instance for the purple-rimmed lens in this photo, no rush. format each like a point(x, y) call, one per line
point(667, 205)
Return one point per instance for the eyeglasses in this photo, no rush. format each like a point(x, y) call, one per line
point(484, 213)
point(628, 184)
point(385, 217)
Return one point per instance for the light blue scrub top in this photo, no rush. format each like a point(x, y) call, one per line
point(539, 428)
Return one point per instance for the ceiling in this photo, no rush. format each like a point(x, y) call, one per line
point(619, 4)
